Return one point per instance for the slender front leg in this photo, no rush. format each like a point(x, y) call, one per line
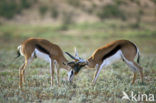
point(28, 62)
point(97, 69)
point(51, 71)
point(57, 72)
point(98, 72)
point(58, 78)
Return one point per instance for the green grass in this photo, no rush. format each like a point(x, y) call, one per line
point(86, 37)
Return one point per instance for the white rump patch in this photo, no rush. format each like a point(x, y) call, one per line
point(42, 55)
point(20, 50)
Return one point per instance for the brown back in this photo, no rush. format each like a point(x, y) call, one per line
point(102, 53)
point(53, 50)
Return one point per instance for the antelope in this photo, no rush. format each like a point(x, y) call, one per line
point(43, 49)
point(108, 54)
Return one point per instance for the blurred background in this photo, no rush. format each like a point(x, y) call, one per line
point(86, 25)
point(97, 21)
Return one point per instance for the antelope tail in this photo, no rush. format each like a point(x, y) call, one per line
point(18, 52)
point(138, 58)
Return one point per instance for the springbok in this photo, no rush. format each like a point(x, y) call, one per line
point(41, 48)
point(108, 54)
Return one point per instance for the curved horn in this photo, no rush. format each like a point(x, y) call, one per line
point(71, 63)
point(70, 56)
point(84, 62)
point(76, 53)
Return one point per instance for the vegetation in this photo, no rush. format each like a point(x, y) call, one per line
point(86, 37)
point(13, 7)
point(154, 1)
point(103, 10)
point(110, 11)
point(67, 20)
point(137, 25)
point(54, 12)
point(75, 3)
point(43, 9)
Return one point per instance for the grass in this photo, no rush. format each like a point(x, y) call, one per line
point(86, 37)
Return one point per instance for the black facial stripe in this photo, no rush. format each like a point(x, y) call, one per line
point(40, 48)
point(78, 68)
point(71, 74)
point(35, 56)
point(111, 52)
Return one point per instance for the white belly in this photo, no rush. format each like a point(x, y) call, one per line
point(42, 55)
point(113, 58)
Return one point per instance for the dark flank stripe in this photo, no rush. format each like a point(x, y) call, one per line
point(111, 52)
point(40, 48)
point(71, 73)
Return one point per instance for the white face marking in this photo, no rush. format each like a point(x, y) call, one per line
point(42, 55)
point(70, 75)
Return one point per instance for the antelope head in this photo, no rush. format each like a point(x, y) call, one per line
point(75, 65)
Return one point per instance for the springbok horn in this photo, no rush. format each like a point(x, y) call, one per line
point(76, 53)
point(71, 63)
point(70, 56)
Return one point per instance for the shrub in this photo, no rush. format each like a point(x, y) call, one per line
point(154, 1)
point(43, 9)
point(8, 8)
point(25, 3)
point(119, 2)
point(75, 3)
point(54, 12)
point(67, 20)
point(110, 11)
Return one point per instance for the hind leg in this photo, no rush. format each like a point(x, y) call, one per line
point(134, 77)
point(21, 70)
point(140, 70)
point(28, 62)
point(21, 73)
point(135, 67)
